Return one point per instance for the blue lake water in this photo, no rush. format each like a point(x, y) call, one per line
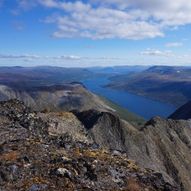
point(140, 105)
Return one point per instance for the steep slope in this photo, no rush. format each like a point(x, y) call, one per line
point(33, 159)
point(169, 148)
point(183, 112)
point(71, 96)
point(162, 145)
point(66, 97)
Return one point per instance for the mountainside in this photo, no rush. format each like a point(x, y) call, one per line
point(39, 153)
point(68, 97)
point(161, 145)
point(164, 83)
point(183, 112)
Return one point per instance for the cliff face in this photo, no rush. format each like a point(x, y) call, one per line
point(169, 146)
point(162, 145)
point(183, 112)
point(55, 151)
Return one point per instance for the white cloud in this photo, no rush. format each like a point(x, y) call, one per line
point(124, 19)
point(34, 57)
point(174, 44)
point(160, 57)
point(63, 60)
point(11, 56)
point(147, 57)
point(176, 12)
point(85, 21)
point(154, 52)
point(31, 57)
point(68, 57)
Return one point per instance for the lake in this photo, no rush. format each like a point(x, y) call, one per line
point(145, 107)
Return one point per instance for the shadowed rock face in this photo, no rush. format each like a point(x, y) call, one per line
point(52, 151)
point(162, 145)
point(88, 118)
point(105, 128)
point(183, 112)
point(169, 143)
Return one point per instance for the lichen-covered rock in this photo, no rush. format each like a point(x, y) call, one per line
point(163, 145)
point(31, 159)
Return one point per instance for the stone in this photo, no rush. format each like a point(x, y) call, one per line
point(38, 187)
point(63, 172)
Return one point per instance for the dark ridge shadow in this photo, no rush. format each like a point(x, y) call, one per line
point(88, 118)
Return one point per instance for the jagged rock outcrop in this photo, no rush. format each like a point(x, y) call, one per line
point(104, 128)
point(38, 153)
point(183, 112)
point(162, 145)
point(169, 148)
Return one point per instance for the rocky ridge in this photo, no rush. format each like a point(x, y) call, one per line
point(163, 145)
point(39, 152)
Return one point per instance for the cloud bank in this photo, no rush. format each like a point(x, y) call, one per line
point(110, 19)
point(37, 57)
point(62, 60)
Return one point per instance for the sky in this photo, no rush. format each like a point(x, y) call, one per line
point(87, 33)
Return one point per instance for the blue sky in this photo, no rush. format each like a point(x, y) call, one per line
point(95, 32)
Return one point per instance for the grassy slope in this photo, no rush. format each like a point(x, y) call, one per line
point(124, 113)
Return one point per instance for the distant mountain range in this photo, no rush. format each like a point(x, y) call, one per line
point(25, 77)
point(164, 83)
